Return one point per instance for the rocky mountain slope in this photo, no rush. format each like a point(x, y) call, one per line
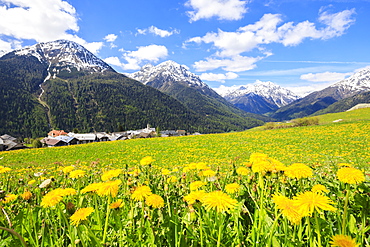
point(177, 81)
point(259, 97)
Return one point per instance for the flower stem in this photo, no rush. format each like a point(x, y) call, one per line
point(106, 220)
point(318, 230)
point(344, 221)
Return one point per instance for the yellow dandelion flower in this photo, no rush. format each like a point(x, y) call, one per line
point(319, 188)
point(274, 166)
point(165, 172)
point(91, 187)
point(68, 169)
point(194, 196)
point(232, 188)
point(26, 195)
point(201, 166)
point(63, 192)
point(343, 241)
point(111, 174)
point(4, 169)
point(77, 173)
point(242, 171)
point(298, 170)
point(80, 215)
point(287, 207)
point(219, 201)
point(207, 173)
point(260, 166)
point(141, 193)
point(350, 175)
point(309, 201)
point(50, 200)
point(109, 188)
point(146, 161)
point(9, 198)
point(172, 179)
point(154, 201)
point(196, 185)
point(31, 182)
point(117, 204)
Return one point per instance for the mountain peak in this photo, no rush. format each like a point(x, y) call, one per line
point(248, 97)
point(64, 55)
point(168, 71)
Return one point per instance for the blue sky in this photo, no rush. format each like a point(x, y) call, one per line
point(303, 45)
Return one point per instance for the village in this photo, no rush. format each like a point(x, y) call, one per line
point(58, 138)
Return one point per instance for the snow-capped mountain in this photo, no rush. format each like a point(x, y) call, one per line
point(65, 55)
point(357, 83)
point(259, 97)
point(2, 52)
point(168, 71)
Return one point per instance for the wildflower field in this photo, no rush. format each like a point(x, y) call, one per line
point(306, 186)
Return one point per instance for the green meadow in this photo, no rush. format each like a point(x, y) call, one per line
point(231, 189)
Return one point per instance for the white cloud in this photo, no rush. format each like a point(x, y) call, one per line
point(222, 9)
point(40, 20)
point(307, 89)
point(110, 38)
point(218, 77)
point(269, 29)
point(156, 31)
point(150, 53)
point(324, 77)
point(234, 64)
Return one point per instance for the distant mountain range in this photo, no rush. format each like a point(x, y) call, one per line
point(259, 97)
point(358, 83)
point(177, 81)
point(62, 85)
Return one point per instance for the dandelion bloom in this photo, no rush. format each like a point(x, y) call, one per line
point(91, 187)
point(4, 169)
point(196, 185)
point(274, 165)
point(77, 173)
point(117, 204)
point(9, 198)
point(26, 195)
point(350, 175)
point(242, 171)
point(318, 188)
point(31, 182)
point(232, 188)
point(155, 201)
point(50, 200)
point(63, 192)
point(109, 188)
point(343, 241)
point(141, 193)
point(80, 215)
point(220, 201)
point(68, 169)
point(146, 160)
point(207, 173)
point(308, 201)
point(298, 170)
point(111, 174)
point(165, 171)
point(194, 196)
point(288, 209)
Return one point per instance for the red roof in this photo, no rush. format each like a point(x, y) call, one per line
point(55, 133)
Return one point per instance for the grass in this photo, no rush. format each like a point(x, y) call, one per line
point(249, 216)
